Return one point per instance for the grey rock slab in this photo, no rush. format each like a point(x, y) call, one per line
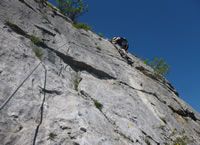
point(92, 96)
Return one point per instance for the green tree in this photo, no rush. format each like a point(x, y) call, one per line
point(160, 67)
point(72, 8)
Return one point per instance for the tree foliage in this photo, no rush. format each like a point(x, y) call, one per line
point(72, 8)
point(160, 67)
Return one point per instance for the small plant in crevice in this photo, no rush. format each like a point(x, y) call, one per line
point(81, 26)
point(20, 128)
point(182, 140)
point(45, 17)
point(52, 136)
point(179, 141)
point(50, 6)
point(100, 35)
point(98, 48)
point(163, 133)
point(174, 138)
point(161, 127)
point(163, 119)
point(183, 131)
point(42, 1)
point(16, 28)
point(160, 67)
point(76, 82)
point(174, 132)
point(146, 140)
point(98, 105)
point(36, 40)
point(38, 52)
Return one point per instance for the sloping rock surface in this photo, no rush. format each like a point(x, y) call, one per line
point(77, 90)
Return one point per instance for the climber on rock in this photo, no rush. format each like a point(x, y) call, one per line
point(123, 44)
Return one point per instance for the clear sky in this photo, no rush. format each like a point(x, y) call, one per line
point(156, 28)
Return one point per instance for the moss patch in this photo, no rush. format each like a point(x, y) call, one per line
point(36, 40)
point(76, 82)
point(81, 26)
point(98, 105)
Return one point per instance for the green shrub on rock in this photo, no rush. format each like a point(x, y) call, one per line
point(160, 67)
point(82, 26)
point(72, 8)
point(100, 35)
point(36, 40)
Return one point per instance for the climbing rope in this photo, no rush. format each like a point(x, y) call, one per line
point(41, 108)
point(8, 99)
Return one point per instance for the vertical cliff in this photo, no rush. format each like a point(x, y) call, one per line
point(60, 85)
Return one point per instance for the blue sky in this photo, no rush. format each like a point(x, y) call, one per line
point(156, 28)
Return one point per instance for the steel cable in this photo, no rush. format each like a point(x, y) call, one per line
point(8, 99)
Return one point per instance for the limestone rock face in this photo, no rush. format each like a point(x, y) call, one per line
point(77, 89)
